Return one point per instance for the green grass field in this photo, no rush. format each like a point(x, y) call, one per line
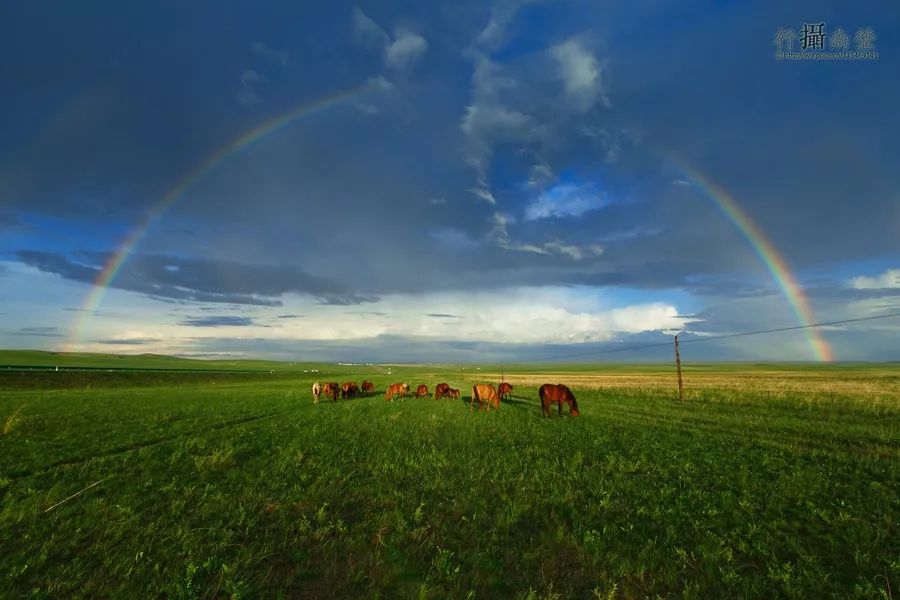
point(768, 481)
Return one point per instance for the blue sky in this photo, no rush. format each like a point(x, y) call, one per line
point(506, 186)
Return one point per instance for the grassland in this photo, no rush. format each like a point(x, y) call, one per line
point(769, 481)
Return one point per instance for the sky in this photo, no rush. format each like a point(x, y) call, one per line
point(500, 180)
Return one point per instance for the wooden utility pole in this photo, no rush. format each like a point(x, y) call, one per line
point(678, 367)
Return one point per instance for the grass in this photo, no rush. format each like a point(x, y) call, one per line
point(770, 481)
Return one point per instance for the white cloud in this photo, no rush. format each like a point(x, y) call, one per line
point(251, 77)
point(265, 51)
point(496, 32)
point(489, 80)
point(248, 92)
point(486, 125)
point(367, 109)
point(565, 200)
point(527, 315)
point(485, 194)
point(368, 32)
point(406, 49)
point(380, 87)
point(539, 175)
point(401, 51)
point(516, 315)
point(581, 74)
point(890, 279)
point(500, 235)
point(250, 80)
point(574, 252)
point(380, 83)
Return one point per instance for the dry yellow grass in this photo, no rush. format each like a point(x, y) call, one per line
point(11, 422)
point(775, 382)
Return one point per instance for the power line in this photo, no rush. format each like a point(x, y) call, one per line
point(715, 337)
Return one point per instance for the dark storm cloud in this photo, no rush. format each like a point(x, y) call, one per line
point(402, 349)
point(443, 316)
point(50, 332)
point(323, 189)
point(339, 206)
point(174, 278)
point(8, 219)
point(218, 321)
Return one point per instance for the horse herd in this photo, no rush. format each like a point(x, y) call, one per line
point(485, 395)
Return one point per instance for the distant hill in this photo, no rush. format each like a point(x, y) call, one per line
point(83, 360)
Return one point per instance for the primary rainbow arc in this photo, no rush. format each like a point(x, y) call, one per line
point(131, 241)
point(764, 249)
point(774, 262)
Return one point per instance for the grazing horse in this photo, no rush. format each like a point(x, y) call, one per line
point(368, 388)
point(485, 395)
point(331, 390)
point(440, 390)
point(396, 389)
point(422, 391)
point(559, 395)
point(349, 390)
point(505, 391)
point(451, 393)
point(316, 391)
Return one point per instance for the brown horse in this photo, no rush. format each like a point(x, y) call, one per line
point(485, 395)
point(440, 390)
point(349, 390)
point(331, 390)
point(396, 389)
point(557, 394)
point(451, 393)
point(422, 391)
point(505, 391)
point(368, 388)
point(316, 391)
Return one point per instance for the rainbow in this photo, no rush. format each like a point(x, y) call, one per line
point(131, 241)
point(768, 254)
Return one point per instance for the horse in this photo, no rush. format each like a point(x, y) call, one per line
point(557, 394)
point(505, 391)
point(451, 393)
point(422, 391)
point(368, 388)
point(331, 390)
point(485, 395)
point(396, 389)
point(349, 390)
point(440, 390)
point(316, 392)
